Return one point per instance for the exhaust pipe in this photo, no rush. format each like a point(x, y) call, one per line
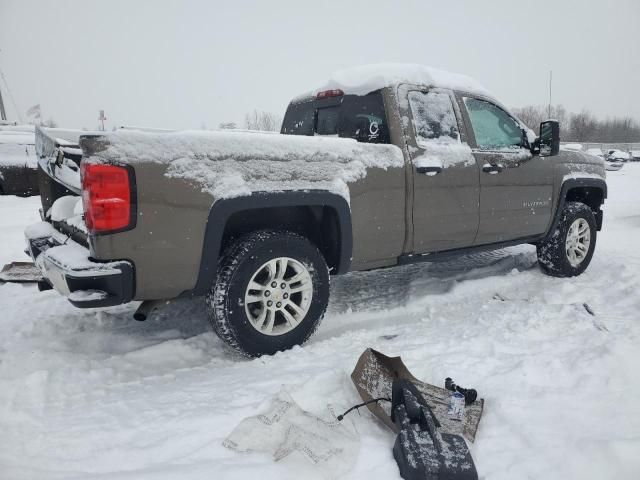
point(146, 308)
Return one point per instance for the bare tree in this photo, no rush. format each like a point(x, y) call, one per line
point(533, 115)
point(265, 121)
point(583, 127)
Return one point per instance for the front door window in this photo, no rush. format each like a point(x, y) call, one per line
point(492, 126)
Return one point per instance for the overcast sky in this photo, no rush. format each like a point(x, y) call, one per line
point(185, 64)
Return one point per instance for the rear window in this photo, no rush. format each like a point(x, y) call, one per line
point(361, 117)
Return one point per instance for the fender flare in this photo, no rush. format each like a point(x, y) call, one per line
point(569, 184)
point(223, 209)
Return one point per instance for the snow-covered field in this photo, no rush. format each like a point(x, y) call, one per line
point(94, 394)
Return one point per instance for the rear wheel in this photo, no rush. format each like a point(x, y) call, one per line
point(568, 251)
point(271, 292)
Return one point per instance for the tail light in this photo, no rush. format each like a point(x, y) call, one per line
point(108, 197)
point(330, 93)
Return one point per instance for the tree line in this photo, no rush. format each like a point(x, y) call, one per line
point(264, 121)
point(583, 126)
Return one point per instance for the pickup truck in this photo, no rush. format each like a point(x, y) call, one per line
point(18, 166)
point(384, 165)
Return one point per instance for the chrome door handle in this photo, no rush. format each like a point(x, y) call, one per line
point(429, 170)
point(492, 169)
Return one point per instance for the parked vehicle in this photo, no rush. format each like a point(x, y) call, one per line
point(572, 146)
point(18, 165)
point(612, 164)
point(596, 151)
point(383, 166)
point(618, 155)
point(635, 155)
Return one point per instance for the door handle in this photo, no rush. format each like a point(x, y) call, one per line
point(429, 170)
point(492, 169)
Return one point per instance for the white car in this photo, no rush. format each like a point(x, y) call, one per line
point(613, 165)
point(609, 164)
point(615, 159)
point(618, 155)
point(572, 146)
point(635, 155)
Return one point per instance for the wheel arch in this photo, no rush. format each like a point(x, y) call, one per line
point(321, 216)
point(590, 191)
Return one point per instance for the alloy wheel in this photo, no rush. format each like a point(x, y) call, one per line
point(278, 296)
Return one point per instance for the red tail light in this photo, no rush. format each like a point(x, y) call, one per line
point(330, 93)
point(107, 197)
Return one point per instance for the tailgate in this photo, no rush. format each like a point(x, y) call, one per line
point(59, 158)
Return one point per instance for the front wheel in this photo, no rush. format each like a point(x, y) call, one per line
point(568, 251)
point(271, 292)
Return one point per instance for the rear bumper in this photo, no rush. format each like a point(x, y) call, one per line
point(66, 266)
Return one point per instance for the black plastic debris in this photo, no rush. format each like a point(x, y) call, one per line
point(470, 394)
point(421, 450)
point(374, 376)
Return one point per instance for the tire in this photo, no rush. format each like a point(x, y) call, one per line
point(253, 321)
point(559, 256)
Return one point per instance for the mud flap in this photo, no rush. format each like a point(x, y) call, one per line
point(20, 272)
point(374, 375)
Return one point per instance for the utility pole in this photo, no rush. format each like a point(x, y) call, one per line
point(550, 80)
point(3, 114)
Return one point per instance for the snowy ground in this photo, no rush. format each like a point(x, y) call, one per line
point(94, 394)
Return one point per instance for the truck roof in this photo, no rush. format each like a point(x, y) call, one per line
point(364, 79)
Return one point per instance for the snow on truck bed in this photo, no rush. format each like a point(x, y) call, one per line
point(232, 164)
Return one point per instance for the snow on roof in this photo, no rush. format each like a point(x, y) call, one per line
point(367, 78)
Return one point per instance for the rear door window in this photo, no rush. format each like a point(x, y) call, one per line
point(434, 119)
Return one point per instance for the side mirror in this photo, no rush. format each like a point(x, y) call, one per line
point(549, 140)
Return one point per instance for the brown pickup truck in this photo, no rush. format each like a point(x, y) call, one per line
point(382, 166)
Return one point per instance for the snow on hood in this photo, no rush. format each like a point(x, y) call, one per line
point(367, 78)
point(579, 158)
point(231, 164)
